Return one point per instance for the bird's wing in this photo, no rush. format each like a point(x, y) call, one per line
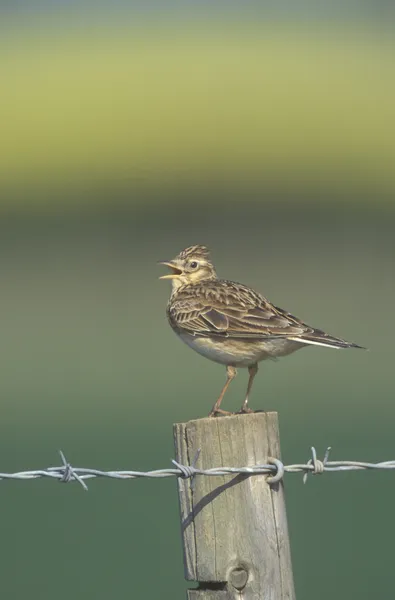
point(227, 309)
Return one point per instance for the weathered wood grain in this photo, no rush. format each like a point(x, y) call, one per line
point(234, 527)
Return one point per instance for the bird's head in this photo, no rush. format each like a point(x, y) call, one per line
point(190, 266)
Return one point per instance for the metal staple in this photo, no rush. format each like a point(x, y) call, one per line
point(275, 469)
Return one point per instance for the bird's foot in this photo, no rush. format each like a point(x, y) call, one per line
point(245, 410)
point(218, 412)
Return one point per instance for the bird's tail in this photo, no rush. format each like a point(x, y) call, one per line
point(320, 338)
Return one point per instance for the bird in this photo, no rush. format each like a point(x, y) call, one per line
point(230, 323)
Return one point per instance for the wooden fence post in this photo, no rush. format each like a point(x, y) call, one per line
point(234, 527)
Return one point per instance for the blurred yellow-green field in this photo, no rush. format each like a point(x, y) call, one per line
point(127, 135)
point(144, 105)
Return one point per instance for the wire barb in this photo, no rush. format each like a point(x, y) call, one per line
point(186, 471)
point(318, 465)
point(69, 474)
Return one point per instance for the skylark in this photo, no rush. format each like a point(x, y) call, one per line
point(230, 323)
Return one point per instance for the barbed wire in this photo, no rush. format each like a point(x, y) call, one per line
point(274, 468)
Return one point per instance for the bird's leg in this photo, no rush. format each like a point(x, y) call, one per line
point(231, 373)
point(253, 370)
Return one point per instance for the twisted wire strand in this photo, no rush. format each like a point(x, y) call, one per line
point(275, 469)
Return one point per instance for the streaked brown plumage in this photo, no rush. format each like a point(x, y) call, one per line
point(229, 322)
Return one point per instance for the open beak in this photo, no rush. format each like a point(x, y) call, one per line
point(175, 271)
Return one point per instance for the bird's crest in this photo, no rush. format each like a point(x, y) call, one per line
point(195, 251)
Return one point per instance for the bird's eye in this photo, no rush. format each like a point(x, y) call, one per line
point(194, 264)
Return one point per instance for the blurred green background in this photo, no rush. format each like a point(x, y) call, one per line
point(128, 133)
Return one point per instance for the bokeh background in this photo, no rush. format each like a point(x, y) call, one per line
point(131, 130)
